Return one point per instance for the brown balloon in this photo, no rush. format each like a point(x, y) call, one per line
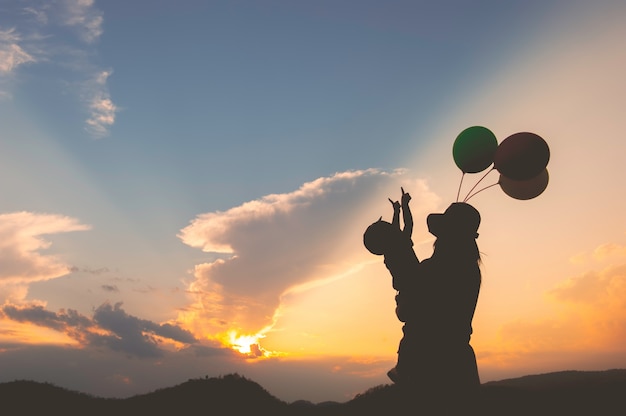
point(526, 189)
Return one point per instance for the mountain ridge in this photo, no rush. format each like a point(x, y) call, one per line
point(569, 392)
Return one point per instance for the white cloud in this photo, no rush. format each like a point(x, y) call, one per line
point(12, 55)
point(286, 240)
point(21, 245)
point(33, 37)
point(39, 15)
point(101, 107)
point(83, 15)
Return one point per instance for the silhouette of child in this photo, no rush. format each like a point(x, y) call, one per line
point(396, 244)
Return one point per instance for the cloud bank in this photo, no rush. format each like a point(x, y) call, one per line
point(264, 248)
point(110, 327)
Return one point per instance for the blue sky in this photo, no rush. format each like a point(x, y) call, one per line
point(192, 168)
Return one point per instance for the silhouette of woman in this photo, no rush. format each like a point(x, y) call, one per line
point(435, 356)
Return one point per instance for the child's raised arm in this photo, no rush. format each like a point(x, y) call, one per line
point(396, 213)
point(407, 217)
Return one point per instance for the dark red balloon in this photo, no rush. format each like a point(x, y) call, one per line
point(522, 156)
point(526, 189)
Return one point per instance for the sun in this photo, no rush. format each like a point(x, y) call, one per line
point(243, 343)
point(248, 345)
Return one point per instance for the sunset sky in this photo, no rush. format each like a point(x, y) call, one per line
point(185, 186)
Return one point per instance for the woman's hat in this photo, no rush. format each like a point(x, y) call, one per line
point(460, 219)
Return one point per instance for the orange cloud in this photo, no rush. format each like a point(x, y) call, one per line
point(589, 320)
point(607, 250)
point(21, 333)
point(599, 298)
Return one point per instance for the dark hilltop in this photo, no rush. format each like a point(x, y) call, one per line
point(559, 393)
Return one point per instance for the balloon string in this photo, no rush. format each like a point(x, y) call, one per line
point(459, 191)
point(480, 190)
point(476, 184)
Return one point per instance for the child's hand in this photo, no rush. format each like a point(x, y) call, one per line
point(406, 197)
point(395, 204)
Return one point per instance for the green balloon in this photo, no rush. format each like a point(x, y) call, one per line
point(474, 149)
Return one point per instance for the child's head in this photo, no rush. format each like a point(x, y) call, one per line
point(379, 237)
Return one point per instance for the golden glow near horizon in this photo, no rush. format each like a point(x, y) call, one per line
point(245, 344)
point(26, 333)
point(248, 345)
